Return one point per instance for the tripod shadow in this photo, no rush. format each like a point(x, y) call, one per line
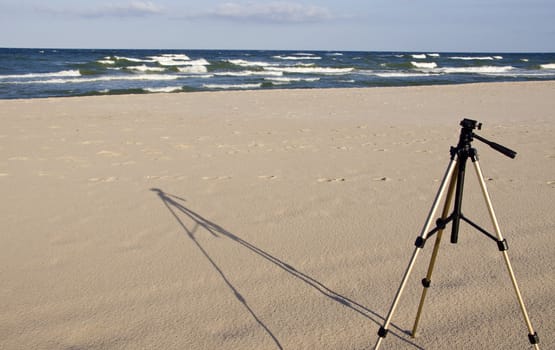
point(174, 205)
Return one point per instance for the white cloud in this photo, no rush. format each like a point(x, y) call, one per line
point(129, 9)
point(277, 11)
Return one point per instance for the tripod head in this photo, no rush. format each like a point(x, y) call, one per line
point(467, 136)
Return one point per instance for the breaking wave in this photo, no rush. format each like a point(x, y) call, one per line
point(64, 73)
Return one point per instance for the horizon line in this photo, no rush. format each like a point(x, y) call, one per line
point(291, 50)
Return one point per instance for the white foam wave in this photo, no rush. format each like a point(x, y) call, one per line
point(164, 61)
point(232, 86)
point(247, 73)
point(433, 54)
point(177, 60)
point(106, 61)
point(164, 89)
point(335, 54)
point(472, 58)
point(400, 74)
point(476, 70)
point(498, 57)
point(547, 66)
point(424, 65)
point(312, 70)
point(193, 69)
point(419, 56)
point(145, 68)
point(244, 63)
point(175, 56)
point(279, 57)
point(104, 78)
point(290, 80)
point(64, 73)
point(132, 59)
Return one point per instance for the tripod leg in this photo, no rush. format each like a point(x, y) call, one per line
point(419, 245)
point(532, 336)
point(428, 279)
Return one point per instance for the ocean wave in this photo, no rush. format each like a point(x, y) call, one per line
point(433, 55)
point(175, 56)
point(103, 78)
point(424, 65)
point(164, 89)
point(476, 70)
point(312, 70)
point(290, 79)
point(244, 63)
point(107, 61)
point(63, 73)
point(145, 68)
point(419, 56)
point(247, 73)
point(292, 58)
point(476, 58)
point(400, 74)
point(132, 59)
point(168, 61)
point(232, 86)
point(163, 60)
point(193, 69)
point(547, 66)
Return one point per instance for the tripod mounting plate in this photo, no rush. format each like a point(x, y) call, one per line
point(471, 124)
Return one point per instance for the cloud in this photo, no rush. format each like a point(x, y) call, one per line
point(130, 9)
point(133, 9)
point(273, 12)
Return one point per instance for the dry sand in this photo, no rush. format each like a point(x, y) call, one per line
point(269, 219)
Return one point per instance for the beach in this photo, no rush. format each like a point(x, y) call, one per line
point(271, 219)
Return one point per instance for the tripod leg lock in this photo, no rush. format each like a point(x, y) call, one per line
point(383, 332)
point(426, 283)
point(503, 245)
point(534, 338)
point(441, 223)
point(420, 242)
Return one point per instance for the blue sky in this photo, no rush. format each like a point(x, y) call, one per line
point(366, 25)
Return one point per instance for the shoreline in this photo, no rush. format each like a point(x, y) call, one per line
point(500, 83)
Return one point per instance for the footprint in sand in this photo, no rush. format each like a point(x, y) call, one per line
point(267, 177)
point(384, 179)
point(552, 182)
point(129, 162)
point(182, 146)
point(338, 179)
point(103, 179)
point(108, 153)
point(92, 142)
point(218, 178)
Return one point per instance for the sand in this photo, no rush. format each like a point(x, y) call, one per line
point(270, 219)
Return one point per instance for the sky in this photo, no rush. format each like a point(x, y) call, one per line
point(353, 25)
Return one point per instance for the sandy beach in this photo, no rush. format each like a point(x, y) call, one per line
point(276, 219)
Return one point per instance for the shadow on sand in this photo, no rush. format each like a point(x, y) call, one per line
point(174, 205)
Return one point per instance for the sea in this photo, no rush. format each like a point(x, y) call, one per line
point(39, 73)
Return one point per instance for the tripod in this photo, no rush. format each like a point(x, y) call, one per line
point(453, 183)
